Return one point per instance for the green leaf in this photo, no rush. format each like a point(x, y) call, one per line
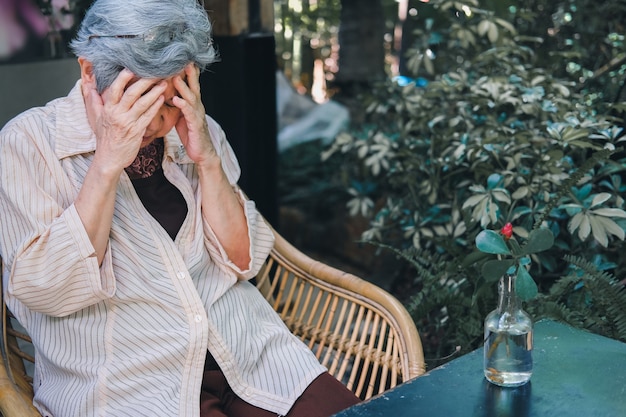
point(525, 286)
point(538, 241)
point(599, 199)
point(473, 200)
point(585, 227)
point(494, 269)
point(611, 227)
point(515, 248)
point(493, 181)
point(501, 195)
point(505, 24)
point(472, 258)
point(490, 241)
point(571, 134)
point(610, 212)
point(598, 232)
point(575, 222)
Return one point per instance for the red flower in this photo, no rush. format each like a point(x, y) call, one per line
point(507, 231)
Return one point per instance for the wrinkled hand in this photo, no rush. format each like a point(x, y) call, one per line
point(119, 117)
point(192, 126)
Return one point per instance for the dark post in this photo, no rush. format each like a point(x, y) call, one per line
point(240, 93)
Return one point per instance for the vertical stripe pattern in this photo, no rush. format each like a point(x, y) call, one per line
point(129, 337)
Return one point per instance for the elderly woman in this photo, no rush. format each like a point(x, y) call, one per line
point(128, 245)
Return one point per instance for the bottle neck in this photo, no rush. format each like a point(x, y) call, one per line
point(508, 298)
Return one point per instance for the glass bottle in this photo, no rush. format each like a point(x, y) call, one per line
point(508, 339)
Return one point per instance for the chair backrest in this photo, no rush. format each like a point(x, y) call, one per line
point(363, 335)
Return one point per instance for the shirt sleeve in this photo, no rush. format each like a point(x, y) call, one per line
point(261, 242)
point(260, 234)
point(42, 232)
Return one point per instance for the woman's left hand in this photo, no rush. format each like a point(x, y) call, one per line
point(192, 126)
point(226, 217)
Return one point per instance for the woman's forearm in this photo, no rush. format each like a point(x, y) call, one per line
point(95, 204)
point(223, 211)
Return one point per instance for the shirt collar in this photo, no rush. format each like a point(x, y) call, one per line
point(174, 148)
point(74, 135)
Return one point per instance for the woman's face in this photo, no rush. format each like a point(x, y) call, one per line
point(166, 118)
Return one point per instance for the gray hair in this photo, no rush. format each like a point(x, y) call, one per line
point(152, 38)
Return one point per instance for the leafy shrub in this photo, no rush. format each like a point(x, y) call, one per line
point(496, 137)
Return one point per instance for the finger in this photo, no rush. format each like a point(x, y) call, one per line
point(188, 83)
point(89, 89)
point(193, 77)
point(182, 87)
point(93, 106)
point(185, 91)
point(95, 102)
point(184, 94)
point(182, 129)
point(119, 85)
point(150, 113)
point(192, 112)
point(140, 88)
point(144, 101)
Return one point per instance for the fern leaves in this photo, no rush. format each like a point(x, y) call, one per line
point(586, 298)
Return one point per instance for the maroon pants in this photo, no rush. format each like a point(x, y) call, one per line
point(324, 397)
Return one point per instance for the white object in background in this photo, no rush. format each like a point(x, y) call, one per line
point(301, 120)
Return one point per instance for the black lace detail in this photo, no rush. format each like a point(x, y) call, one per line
point(148, 160)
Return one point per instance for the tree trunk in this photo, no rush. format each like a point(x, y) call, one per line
point(361, 43)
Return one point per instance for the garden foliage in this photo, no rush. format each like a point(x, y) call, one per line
point(501, 121)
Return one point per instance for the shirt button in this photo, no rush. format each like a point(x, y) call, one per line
point(198, 318)
point(180, 275)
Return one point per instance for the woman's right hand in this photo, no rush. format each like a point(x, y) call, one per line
point(120, 115)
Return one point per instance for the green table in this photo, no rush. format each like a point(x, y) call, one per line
point(576, 373)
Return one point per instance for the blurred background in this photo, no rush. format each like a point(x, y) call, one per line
point(380, 136)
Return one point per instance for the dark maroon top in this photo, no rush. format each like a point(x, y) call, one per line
point(162, 200)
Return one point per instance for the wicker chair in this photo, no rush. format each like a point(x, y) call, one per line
point(363, 335)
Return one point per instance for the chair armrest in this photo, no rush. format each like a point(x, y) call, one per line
point(13, 402)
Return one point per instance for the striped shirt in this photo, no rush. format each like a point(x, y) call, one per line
point(129, 337)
